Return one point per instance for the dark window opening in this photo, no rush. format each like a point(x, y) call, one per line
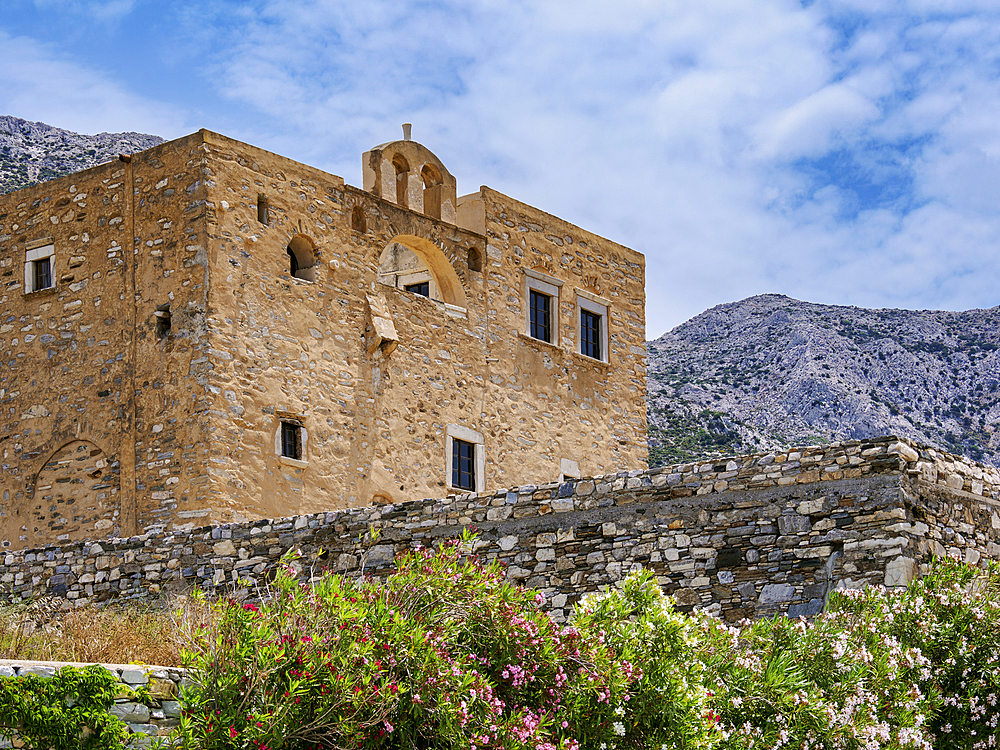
point(358, 223)
point(423, 288)
point(291, 440)
point(475, 260)
point(539, 309)
point(162, 321)
point(43, 274)
point(293, 262)
point(463, 464)
point(590, 334)
point(262, 213)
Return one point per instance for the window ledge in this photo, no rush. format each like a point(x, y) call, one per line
point(292, 462)
point(590, 360)
point(532, 340)
point(42, 292)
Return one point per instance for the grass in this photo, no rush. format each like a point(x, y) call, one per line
point(40, 631)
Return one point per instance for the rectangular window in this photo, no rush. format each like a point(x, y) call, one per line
point(423, 288)
point(162, 315)
point(291, 440)
point(590, 334)
point(540, 316)
point(542, 297)
point(39, 268)
point(463, 465)
point(43, 273)
point(262, 212)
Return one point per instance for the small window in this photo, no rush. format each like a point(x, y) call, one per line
point(43, 273)
point(475, 260)
point(39, 268)
point(162, 321)
point(590, 334)
point(593, 318)
point(302, 260)
point(540, 316)
point(423, 288)
point(466, 458)
point(543, 306)
point(358, 223)
point(291, 440)
point(463, 465)
point(262, 209)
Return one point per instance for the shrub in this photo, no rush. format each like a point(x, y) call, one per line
point(444, 654)
point(69, 711)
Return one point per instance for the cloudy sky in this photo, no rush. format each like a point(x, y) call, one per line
point(837, 151)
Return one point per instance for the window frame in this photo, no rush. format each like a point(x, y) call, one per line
point(463, 434)
point(541, 283)
point(33, 258)
point(303, 441)
point(593, 305)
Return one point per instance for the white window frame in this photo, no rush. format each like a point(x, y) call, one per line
point(550, 286)
point(303, 443)
point(32, 256)
point(592, 303)
point(461, 432)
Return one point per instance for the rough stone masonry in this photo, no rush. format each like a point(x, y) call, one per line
point(206, 332)
point(746, 536)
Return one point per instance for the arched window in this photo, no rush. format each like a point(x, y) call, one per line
point(358, 223)
point(402, 168)
point(302, 260)
point(432, 190)
point(409, 261)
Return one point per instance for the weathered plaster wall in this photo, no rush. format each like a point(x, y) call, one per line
point(147, 721)
point(82, 373)
point(750, 535)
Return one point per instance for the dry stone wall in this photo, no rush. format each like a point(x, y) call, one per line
point(150, 720)
point(746, 536)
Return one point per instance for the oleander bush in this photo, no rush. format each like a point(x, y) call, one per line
point(446, 654)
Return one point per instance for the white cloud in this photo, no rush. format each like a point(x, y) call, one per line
point(38, 83)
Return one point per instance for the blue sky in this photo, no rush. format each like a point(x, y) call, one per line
point(844, 152)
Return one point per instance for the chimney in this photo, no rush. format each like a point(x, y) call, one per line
point(407, 127)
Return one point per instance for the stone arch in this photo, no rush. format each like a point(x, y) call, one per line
point(406, 256)
point(75, 495)
point(431, 177)
point(410, 175)
point(402, 167)
point(303, 260)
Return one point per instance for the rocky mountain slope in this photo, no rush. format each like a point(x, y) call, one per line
point(770, 372)
point(32, 152)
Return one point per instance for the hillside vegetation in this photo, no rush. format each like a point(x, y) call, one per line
point(772, 372)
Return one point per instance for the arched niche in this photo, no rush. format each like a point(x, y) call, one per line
point(76, 495)
point(358, 222)
point(407, 260)
point(303, 260)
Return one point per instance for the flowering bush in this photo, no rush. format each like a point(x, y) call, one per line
point(950, 621)
point(444, 653)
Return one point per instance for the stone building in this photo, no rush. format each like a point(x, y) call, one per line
point(206, 332)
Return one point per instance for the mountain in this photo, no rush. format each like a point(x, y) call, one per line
point(32, 152)
point(771, 372)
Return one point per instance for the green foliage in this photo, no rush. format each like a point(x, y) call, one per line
point(69, 711)
point(444, 654)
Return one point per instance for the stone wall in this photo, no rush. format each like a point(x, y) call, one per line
point(149, 721)
point(176, 340)
point(748, 536)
